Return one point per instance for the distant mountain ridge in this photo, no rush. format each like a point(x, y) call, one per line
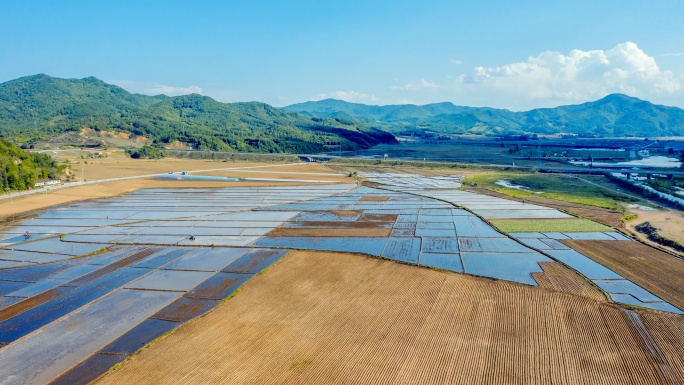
point(613, 115)
point(41, 107)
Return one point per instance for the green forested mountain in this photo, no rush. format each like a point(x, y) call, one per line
point(19, 170)
point(614, 115)
point(38, 107)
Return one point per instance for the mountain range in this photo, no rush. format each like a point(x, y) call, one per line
point(612, 116)
point(40, 108)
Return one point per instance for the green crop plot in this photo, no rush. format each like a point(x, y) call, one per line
point(548, 225)
point(589, 190)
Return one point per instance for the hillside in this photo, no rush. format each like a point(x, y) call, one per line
point(19, 170)
point(38, 108)
point(614, 115)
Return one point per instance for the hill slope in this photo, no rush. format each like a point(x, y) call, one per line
point(19, 169)
point(37, 107)
point(614, 115)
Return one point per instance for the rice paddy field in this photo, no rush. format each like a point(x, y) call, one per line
point(331, 282)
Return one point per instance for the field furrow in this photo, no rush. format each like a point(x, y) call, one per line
point(319, 317)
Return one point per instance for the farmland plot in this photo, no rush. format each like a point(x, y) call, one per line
point(336, 318)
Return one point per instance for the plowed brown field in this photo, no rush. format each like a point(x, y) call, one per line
point(329, 232)
point(557, 277)
point(655, 271)
point(316, 318)
point(667, 331)
point(374, 198)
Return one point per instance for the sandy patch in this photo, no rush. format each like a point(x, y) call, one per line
point(670, 223)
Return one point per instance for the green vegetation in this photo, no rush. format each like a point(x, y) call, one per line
point(146, 152)
point(40, 108)
point(641, 190)
point(668, 186)
point(547, 225)
point(552, 186)
point(615, 115)
point(628, 217)
point(20, 170)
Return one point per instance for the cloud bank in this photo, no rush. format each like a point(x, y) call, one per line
point(552, 78)
point(580, 75)
point(173, 90)
point(349, 96)
point(152, 88)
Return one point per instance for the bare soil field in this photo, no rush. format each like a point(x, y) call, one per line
point(607, 217)
point(374, 198)
point(329, 232)
point(266, 173)
point(117, 165)
point(667, 331)
point(655, 271)
point(557, 277)
point(670, 223)
point(316, 318)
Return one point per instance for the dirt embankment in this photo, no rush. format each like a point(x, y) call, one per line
point(320, 318)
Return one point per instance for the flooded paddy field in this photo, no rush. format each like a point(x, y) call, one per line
point(142, 264)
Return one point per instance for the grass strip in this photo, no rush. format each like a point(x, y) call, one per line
point(548, 225)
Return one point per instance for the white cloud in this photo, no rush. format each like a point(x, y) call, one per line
point(553, 78)
point(420, 85)
point(153, 88)
point(173, 90)
point(405, 87)
point(349, 96)
point(428, 84)
point(455, 62)
point(673, 54)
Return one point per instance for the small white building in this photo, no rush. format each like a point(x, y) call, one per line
point(47, 182)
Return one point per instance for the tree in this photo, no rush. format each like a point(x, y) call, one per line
point(19, 170)
point(146, 152)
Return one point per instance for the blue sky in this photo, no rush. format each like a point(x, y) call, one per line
point(515, 55)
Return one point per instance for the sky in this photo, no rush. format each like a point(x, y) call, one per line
point(517, 55)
